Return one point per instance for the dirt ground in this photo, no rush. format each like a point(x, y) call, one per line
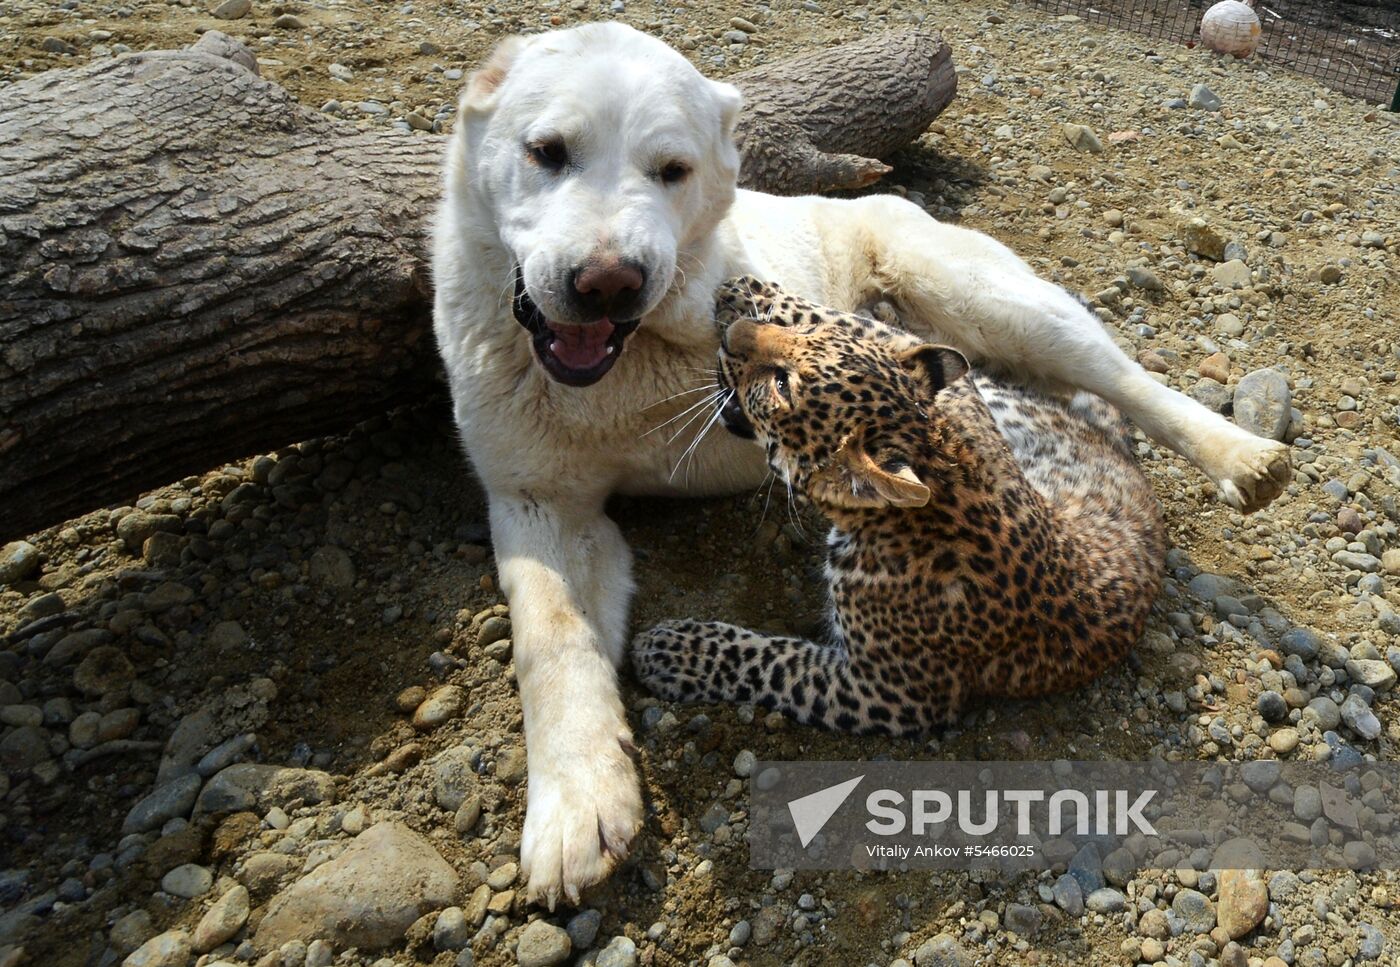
point(1304, 180)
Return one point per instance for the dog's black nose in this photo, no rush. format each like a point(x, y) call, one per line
point(609, 287)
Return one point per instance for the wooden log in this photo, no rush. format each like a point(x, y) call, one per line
point(194, 267)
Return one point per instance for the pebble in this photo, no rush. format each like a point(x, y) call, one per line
point(1301, 642)
point(620, 952)
point(331, 566)
point(1144, 278)
point(1370, 942)
point(1272, 706)
point(1154, 923)
point(1232, 274)
point(19, 561)
point(443, 704)
point(583, 929)
point(250, 785)
point(542, 944)
point(1204, 99)
point(1201, 239)
point(170, 800)
point(1069, 895)
point(1105, 900)
point(451, 931)
point(103, 670)
point(1372, 673)
point(1082, 138)
point(1263, 403)
point(222, 921)
point(1216, 366)
point(233, 9)
point(1022, 919)
point(1358, 715)
point(493, 629)
point(1244, 901)
point(188, 881)
point(169, 949)
point(942, 950)
point(1195, 910)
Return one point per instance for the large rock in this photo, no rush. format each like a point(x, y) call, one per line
point(1264, 403)
point(367, 897)
point(251, 785)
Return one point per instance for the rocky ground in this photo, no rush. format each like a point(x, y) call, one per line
point(266, 715)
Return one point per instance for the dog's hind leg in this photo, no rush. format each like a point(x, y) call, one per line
point(972, 290)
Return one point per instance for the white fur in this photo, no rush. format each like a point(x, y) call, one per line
point(549, 455)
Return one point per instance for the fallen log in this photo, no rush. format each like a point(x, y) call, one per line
point(194, 267)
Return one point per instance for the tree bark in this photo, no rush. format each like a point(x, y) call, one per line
point(194, 267)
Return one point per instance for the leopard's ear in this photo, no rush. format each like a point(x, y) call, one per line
point(935, 367)
point(854, 480)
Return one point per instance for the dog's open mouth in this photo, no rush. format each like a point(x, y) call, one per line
point(573, 355)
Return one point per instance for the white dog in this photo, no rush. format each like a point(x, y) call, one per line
point(590, 213)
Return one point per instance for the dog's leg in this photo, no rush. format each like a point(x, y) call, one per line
point(567, 572)
point(977, 293)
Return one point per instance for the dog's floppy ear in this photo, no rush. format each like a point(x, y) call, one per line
point(730, 103)
point(484, 83)
point(854, 480)
point(935, 367)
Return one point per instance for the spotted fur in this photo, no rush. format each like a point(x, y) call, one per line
point(987, 540)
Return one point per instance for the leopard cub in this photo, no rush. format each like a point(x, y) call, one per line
point(987, 540)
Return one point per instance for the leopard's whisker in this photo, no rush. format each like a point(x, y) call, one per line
point(688, 409)
point(699, 415)
point(698, 388)
point(687, 456)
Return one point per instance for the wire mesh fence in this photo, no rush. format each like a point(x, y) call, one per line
point(1352, 46)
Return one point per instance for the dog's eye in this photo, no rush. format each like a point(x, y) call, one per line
point(550, 155)
point(674, 172)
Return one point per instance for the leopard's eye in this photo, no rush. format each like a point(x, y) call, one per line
point(780, 383)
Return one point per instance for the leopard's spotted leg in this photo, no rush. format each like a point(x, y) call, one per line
point(710, 661)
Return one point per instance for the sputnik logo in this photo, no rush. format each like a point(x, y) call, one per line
point(811, 812)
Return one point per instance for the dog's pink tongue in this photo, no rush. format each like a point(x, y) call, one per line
point(581, 347)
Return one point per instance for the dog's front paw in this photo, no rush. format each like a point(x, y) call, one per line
point(1250, 471)
point(581, 815)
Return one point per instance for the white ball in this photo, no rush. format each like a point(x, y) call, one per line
point(1231, 27)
